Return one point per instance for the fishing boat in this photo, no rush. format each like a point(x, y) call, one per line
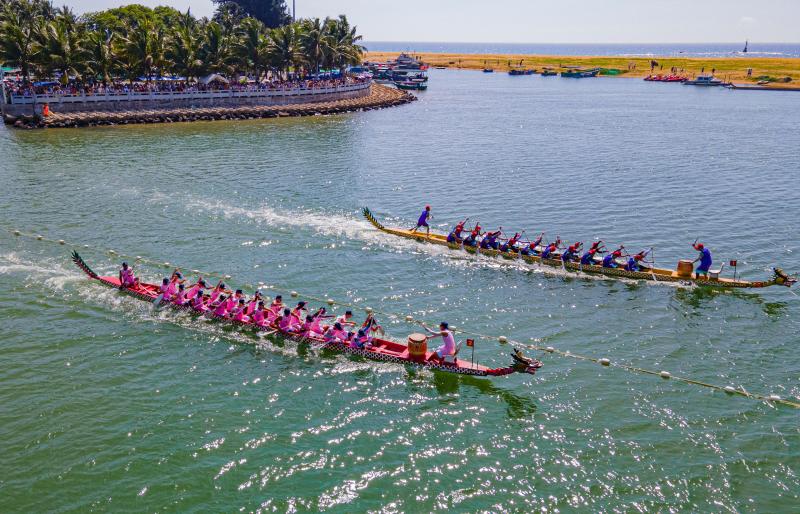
point(704, 80)
point(683, 274)
point(488, 70)
point(516, 72)
point(411, 85)
point(547, 72)
point(415, 353)
point(580, 73)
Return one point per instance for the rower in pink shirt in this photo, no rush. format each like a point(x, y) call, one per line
point(298, 313)
point(277, 305)
point(251, 305)
point(287, 322)
point(180, 297)
point(198, 302)
point(240, 312)
point(335, 334)
point(221, 307)
point(199, 286)
point(258, 316)
point(218, 290)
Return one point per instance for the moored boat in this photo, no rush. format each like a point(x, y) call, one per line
point(580, 73)
point(681, 274)
point(411, 85)
point(705, 80)
point(413, 354)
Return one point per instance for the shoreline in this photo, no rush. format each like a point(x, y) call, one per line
point(379, 97)
point(730, 69)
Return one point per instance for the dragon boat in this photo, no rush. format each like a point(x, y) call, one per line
point(649, 274)
point(384, 350)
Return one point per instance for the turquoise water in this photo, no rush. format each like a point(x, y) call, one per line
point(108, 405)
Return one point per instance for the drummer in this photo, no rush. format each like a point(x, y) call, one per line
point(449, 346)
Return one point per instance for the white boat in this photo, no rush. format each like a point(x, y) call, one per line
point(705, 80)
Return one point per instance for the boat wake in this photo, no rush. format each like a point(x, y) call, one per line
point(50, 272)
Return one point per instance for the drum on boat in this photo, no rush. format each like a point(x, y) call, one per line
point(417, 347)
point(685, 268)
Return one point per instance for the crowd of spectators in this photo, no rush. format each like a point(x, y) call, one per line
point(18, 88)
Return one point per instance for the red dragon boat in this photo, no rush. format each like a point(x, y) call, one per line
point(382, 349)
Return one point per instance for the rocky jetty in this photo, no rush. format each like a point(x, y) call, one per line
point(379, 97)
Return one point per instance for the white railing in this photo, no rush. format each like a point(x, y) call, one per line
point(135, 96)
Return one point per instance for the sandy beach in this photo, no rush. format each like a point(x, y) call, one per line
point(727, 68)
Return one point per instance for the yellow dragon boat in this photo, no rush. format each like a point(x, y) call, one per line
point(682, 275)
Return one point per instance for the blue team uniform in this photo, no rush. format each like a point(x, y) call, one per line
point(705, 261)
point(423, 219)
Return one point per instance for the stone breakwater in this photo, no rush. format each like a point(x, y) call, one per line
point(379, 97)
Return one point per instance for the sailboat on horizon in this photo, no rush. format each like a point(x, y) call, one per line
point(745, 46)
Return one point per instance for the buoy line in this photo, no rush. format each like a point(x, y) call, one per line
point(666, 375)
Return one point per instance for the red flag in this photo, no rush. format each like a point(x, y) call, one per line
point(470, 342)
point(734, 263)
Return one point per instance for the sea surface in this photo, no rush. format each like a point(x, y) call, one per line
point(108, 405)
point(735, 49)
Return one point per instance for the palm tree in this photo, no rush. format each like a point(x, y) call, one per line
point(101, 57)
point(215, 49)
point(250, 47)
point(62, 47)
point(137, 49)
point(158, 50)
point(36, 36)
point(344, 40)
point(284, 48)
point(18, 39)
point(314, 42)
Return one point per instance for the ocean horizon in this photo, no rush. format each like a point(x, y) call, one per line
point(732, 49)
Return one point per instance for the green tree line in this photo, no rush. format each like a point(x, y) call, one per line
point(134, 41)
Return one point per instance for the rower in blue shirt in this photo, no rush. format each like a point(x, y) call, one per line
point(704, 258)
point(610, 260)
point(423, 220)
point(532, 245)
point(588, 257)
point(571, 253)
point(551, 248)
point(455, 235)
point(634, 261)
point(472, 238)
point(490, 240)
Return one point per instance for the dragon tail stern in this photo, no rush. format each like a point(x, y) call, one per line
point(78, 260)
point(371, 218)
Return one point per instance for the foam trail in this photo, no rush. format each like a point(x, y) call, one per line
point(49, 272)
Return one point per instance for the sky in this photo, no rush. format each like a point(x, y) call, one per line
point(540, 21)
